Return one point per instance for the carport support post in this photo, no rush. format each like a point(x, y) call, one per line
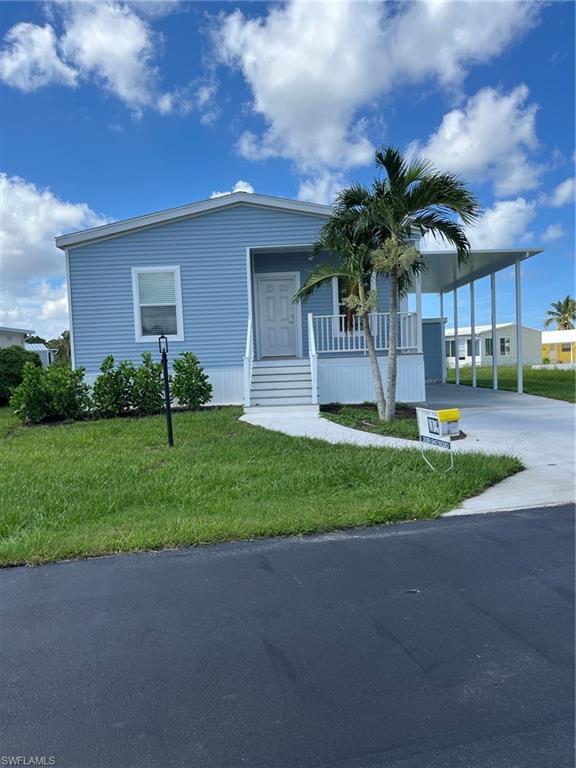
point(519, 356)
point(493, 318)
point(473, 332)
point(443, 337)
point(456, 350)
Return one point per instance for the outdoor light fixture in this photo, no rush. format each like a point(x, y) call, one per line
point(163, 344)
point(163, 347)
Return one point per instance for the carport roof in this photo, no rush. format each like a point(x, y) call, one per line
point(442, 272)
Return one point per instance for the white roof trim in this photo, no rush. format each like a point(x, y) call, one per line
point(27, 331)
point(479, 329)
point(559, 336)
point(185, 211)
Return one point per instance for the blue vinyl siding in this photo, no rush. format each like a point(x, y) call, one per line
point(211, 252)
point(432, 349)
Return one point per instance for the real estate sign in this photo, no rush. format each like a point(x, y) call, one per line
point(438, 427)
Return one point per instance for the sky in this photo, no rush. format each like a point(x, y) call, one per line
point(111, 110)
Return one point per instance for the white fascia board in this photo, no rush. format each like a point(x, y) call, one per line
point(186, 211)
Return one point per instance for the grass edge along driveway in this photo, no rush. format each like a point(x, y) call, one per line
point(556, 384)
point(92, 488)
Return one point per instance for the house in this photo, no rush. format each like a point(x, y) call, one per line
point(218, 276)
point(13, 337)
point(506, 345)
point(559, 347)
point(45, 354)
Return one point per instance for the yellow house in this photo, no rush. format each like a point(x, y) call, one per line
point(559, 346)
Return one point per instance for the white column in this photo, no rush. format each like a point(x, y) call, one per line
point(473, 332)
point(456, 351)
point(419, 312)
point(519, 355)
point(443, 337)
point(494, 340)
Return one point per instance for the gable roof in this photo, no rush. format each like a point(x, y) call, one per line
point(186, 211)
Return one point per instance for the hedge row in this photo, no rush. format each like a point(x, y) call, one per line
point(56, 394)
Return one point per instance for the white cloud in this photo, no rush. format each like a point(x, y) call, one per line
point(488, 139)
point(553, 232)
point(240, 186)
point(563, 194)
point(30, 59)
point(312, 66)
point(105, 41)
point(501, 226)
point(321, 188)
point(32, 268)
point(113, 44)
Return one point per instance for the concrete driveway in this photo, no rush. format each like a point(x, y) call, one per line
point(540, 431)
point(417, 645)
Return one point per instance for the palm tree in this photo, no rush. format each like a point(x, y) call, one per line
point(382, 222)
point(342, 236)
point(563, 313)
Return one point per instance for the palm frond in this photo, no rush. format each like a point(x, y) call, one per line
point(321, 275)
point(448, 230)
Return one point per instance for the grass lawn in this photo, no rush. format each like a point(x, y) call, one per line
point(89, 488)
point(365, 417)
point(559, 385)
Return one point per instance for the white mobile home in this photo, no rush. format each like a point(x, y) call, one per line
point(506, 345)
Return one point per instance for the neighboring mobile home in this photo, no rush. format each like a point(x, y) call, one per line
point(559, 347)
point(45, 354)
point(218, 277)
point(506, 345)
point(13, 337)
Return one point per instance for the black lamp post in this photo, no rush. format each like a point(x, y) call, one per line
point(163, 346)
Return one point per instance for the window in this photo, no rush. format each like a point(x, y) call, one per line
point(566, 347)
point(157, 303)
point(504, 346)
point(450, 348)
point(488, 346)
point(469, 347)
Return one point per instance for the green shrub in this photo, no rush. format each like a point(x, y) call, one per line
point(50, 394)
point(12, 362)
point(112, 391)
point(68, 392)
point(190, 385)
point(147, 393)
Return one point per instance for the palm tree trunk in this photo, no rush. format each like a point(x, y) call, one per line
point(392, 348)
point(376, 375)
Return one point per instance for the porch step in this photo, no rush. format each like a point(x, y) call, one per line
point(276, 401)
point(280, 370)
point(272, 378)
point(281, 386)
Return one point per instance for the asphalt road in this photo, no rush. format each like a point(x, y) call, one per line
point(445, 643)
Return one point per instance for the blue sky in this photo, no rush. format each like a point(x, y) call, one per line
point(116, 109)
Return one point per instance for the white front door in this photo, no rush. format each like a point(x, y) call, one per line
point(277, 315)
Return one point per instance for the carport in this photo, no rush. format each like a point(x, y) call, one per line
point(443, 274)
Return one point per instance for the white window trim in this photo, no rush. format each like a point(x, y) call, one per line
point(140, 339)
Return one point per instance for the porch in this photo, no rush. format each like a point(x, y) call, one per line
point(303, 354)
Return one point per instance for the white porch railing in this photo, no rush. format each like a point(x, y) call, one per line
point(313, 358)
point(248, 361)
point(331, 334)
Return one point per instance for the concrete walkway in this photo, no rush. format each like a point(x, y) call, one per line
point(538, 430)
